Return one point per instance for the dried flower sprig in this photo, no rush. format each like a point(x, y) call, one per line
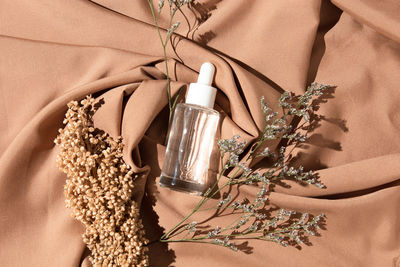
point(99, 189)
point(252, 220)
point(174, 6)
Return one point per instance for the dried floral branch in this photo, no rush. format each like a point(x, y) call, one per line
point(174, 6)
point(100, 183)
point(251, 219)
point(99, 189)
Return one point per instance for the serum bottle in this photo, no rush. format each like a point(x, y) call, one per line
point(191, 138)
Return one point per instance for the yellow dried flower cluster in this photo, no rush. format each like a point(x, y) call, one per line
point(99, 189)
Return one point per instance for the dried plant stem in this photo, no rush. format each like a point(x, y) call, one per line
point(203, 200)
point(250, 221)
point(164, 43)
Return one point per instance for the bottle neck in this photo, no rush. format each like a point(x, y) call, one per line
point(201, 94)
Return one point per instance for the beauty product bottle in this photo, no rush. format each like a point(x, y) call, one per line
point(191, 138)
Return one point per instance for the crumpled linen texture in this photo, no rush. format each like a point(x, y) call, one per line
point(54, 51)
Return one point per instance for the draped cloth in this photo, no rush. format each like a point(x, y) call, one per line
point(54, 51)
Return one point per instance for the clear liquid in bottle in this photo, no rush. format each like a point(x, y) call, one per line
point(190, 144)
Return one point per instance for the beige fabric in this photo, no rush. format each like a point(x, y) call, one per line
point(53, 51)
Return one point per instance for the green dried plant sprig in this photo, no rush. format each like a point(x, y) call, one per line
point(174, 6)
point(251, 219)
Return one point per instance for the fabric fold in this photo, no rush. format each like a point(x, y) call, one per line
point(56, 51)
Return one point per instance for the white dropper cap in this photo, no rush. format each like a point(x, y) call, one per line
point(202, 93)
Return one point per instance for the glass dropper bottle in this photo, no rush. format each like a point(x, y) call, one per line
point(191, 138)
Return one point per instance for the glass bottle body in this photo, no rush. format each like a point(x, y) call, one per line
point(189, 148)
